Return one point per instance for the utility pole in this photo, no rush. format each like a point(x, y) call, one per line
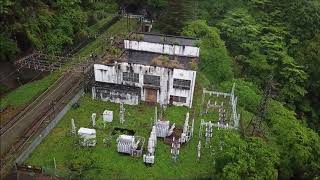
point(256, 121)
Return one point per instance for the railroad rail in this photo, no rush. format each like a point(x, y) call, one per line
point(18, 133)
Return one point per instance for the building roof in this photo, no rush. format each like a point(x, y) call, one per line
point(165, 39)
point(157, 59)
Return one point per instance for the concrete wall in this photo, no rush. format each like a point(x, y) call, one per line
point(113, 74)
point(187, 75)
point(189, 51)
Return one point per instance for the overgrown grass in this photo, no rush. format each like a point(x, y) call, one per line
point(108, 164)
point(28, 92)
point(96, 27)
point(102, 42)
point(25, 93)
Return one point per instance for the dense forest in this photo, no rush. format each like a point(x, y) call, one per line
point(47, 25)
point(270, 48)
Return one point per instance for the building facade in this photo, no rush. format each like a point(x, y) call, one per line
point(151, 71)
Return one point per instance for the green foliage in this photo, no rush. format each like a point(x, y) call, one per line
point(244, 158)
point(262, 37)
point(247, 92)
point(309, 56)
point(50, 32)
point(47, 26)
point(174, 17)
point(299, 146)
point(303, 17)
point(8, 47)
point(214, 10)
point(241, 31)
point(260, 50)
point(24, 94)
point(81, 160)
point(215, 62)
point(5, 7)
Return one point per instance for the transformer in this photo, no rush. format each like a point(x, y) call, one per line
point(87, 136)
point(130, 145)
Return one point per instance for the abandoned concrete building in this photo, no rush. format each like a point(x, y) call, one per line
point(153, 68)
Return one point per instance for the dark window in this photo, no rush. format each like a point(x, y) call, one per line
point(181, 84)
point(105, 94)
point(151, 80)
point(131, 77)
point(178, 99)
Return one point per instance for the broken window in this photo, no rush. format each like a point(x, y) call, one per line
point(178, 99)
point(181, 84)
point(131, 77)
point(151, 80)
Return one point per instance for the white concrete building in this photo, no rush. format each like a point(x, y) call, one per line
point(153, 68)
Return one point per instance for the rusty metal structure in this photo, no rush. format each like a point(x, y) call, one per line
point(43, 62)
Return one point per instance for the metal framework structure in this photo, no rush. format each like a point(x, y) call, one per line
point(256, 122)
point(235, 117)
point(44, 62)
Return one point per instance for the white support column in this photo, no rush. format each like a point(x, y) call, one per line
point(73, 127)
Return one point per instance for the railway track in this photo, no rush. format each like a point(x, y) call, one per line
point(85, 67)
point(19, 131)
point(9, 124)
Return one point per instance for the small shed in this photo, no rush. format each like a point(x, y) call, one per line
point(88, 136)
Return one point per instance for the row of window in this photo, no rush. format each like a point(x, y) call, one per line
point(178, 99)
point(131, 77)
point(151, 80)
point(181, 84)
point(155, 80)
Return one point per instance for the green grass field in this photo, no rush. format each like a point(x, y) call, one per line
point(26, 93)
point(108, 164)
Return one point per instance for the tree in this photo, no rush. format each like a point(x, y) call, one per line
point(308, 55)
point(174, 17)
point(237, 158)
point(299, 146)
point(248, 93)
point(8, 48)
point(303, 16)
point(215, 62)
point(260, 50)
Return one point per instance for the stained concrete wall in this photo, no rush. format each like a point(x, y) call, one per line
point(189, 51)
point(113, 74)
point(186, 75)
